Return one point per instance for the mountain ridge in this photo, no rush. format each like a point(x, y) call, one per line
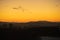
point(33, 24)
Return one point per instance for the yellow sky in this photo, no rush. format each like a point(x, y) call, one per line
point(34, 10)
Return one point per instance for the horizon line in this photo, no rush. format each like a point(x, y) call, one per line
point(27, 21)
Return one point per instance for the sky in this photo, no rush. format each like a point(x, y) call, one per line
point(29, 10)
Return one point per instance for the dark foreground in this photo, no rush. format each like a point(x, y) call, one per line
point(29, 33)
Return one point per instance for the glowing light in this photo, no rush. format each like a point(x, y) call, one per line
point(29, 10)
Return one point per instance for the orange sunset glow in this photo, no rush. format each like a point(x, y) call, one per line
point(29, 10)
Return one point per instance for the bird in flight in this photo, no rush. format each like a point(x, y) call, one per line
point(15, 8)
point(23, 10)
point(19, 8)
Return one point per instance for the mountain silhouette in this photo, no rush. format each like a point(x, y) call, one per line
point(31, 24)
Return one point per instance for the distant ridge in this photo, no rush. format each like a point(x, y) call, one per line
point(29, 22)
point(33, 24)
